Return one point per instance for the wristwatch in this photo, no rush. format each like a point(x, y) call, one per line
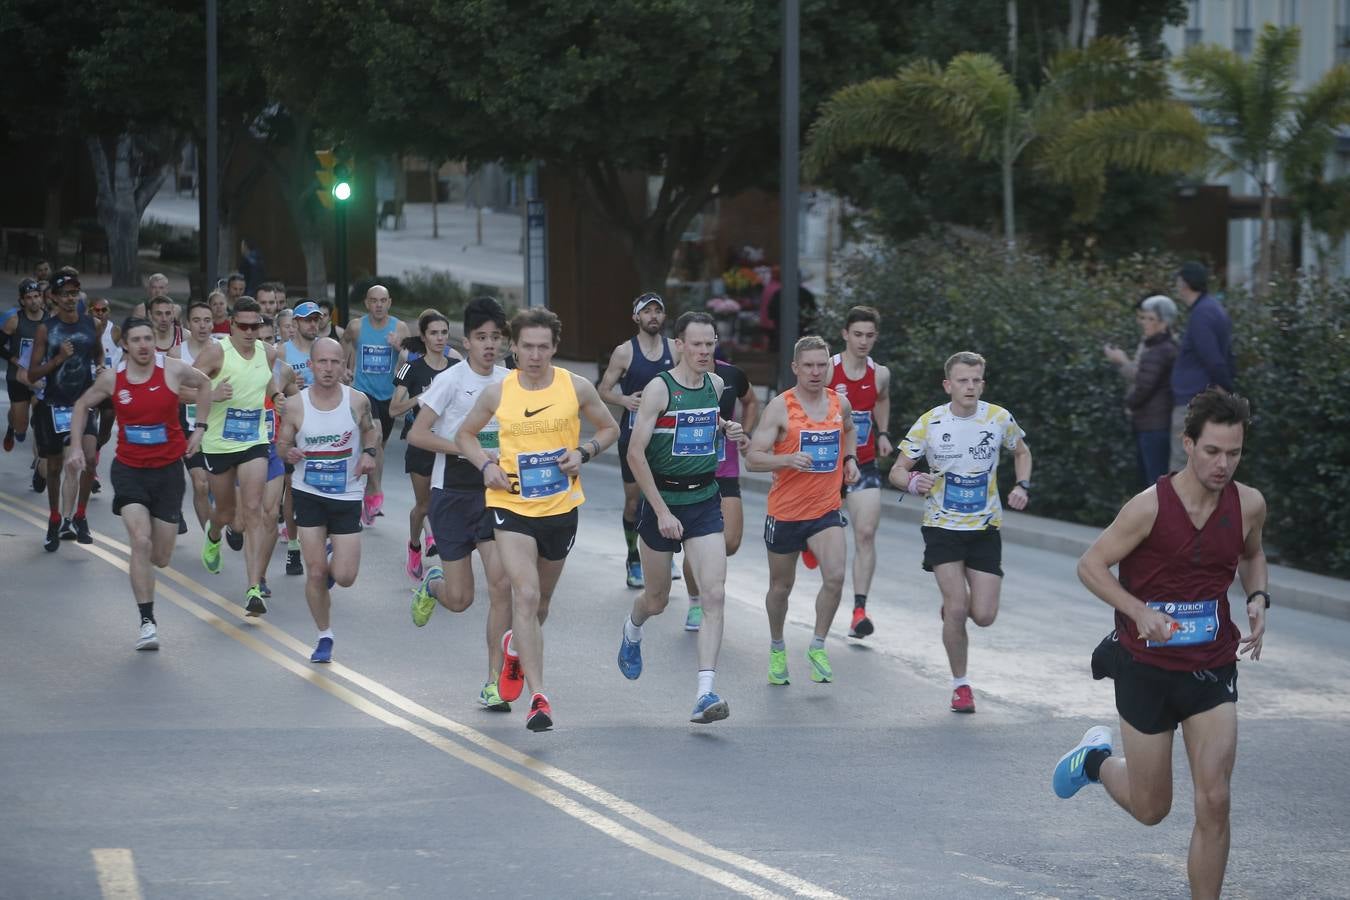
point(585, 454)
point(1262, 594)
point(1024, 485)
point(370, 450)
point(848, 456)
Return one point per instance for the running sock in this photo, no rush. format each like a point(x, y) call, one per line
point(859, 601)
point(326, 633)
point(705, 681)
point(293, 544)
point(630, 536)
point(1092, 766)
point(147, 611)
point(777, 645)
point(414, 547)
point(817, 642)
point(511, 645)
point(695, 600)
point(631, 631)
point(79, 512)
point(963, 681)
point(54, 517)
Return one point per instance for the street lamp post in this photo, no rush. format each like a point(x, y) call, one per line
point(790, 152)
point(342, 192)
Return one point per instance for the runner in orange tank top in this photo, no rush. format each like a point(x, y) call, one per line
point(808, 440)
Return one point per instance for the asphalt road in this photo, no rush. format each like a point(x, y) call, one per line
point(225, 765)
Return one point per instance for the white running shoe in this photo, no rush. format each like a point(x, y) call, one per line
point(149, 637)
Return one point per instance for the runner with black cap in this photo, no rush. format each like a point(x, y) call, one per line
point(66, 350)
point(18, 333)
point(632, 365)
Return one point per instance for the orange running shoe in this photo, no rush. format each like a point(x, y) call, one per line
point(963, 701)
point(541, 714)
point(862, 626)
point(511, 681)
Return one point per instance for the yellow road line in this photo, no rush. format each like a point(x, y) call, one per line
point(578, 785)
point(116, 874)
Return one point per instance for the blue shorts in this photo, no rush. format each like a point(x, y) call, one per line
point(459, 522)
point(698, 519)
point(275, 466)
point(791, 537)
point(869, 476)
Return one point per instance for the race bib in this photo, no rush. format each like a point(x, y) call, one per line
point(326, 475)
point(695, 432)
point(863, 422)
point(822, 447)
point(147, 434)
point(965, 493)
point(632, 419)
point(61, 419)
point(241, 424)
point(271, 424)
point(192, 413)
point(540, 475)
point(721, 447)
point(377, 359)
point(489, 440)
point(25, 352)
point(1198, 621)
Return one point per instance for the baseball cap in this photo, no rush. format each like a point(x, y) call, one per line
point(307, 309)
point(27, 285)
point(646, 299)
point(61, 281)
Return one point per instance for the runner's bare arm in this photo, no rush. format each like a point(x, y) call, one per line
point(292, 418)
point(619, 361)
point(466, 439)
point(1253, 571)
point(759, 457)
point(654, 399)
point(1018, 496)
point(191, 386)
point(881, 412)
point(209, 361)
point(848, 443)
point(421, 435)
point(39, 366)
point(96, 393)
point(1130, 529)
point(349, 339)
point(593, 410)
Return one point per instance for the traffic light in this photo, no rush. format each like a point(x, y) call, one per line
point(334, 177)
point(342, 185)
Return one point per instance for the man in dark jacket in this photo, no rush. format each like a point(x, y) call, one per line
point(1150, 396)
point(1206, 354)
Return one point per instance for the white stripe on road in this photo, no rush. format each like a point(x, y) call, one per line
point(116, 874)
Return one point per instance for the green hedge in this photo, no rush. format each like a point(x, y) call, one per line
point(1041, 324)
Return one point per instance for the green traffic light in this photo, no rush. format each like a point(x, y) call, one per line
point(342, 190)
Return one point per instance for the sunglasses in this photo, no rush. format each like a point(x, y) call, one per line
point(248, 326)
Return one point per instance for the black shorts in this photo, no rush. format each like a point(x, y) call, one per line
point(729, 486)
point(337, 516)
point(417, 461)
point(220, 463)
point(50, 442)
point(698, 519)
point(379, 410)
point(869, 476)
point(159, 490)
point(18, 392)
point(196, 461)
point(980, 550)
point(553, 535)
point(791, 537)
point(459, 521)
point(1154, 700)
point(624, 471)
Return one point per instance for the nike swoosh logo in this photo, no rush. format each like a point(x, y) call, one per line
point(535, 412)
point(471, 393)
point(1230, 687)
point(498, 517)
point(155, 388)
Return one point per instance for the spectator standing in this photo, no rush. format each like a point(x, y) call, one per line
point(1149, 376)
point(1205, 357)
point(251, 267)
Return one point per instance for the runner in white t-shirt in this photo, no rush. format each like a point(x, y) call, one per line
point(458, 516)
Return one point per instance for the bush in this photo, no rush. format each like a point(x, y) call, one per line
point(1041, 324)
point(418, 291)
point(154, 233)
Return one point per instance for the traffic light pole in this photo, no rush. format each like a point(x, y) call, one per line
point(340, 262)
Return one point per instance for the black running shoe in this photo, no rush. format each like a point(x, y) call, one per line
point(82, 534)
point(234, 538)
point(293, 564)
point(182, 524)
point(53, 537)
point(68, 532)
point(39, 476)
point(96, 486)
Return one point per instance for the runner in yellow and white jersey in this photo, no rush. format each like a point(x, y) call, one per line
point(534, 484)
point(961, 441)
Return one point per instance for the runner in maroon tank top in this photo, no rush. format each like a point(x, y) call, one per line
point(1173, 654)
point(147, 473)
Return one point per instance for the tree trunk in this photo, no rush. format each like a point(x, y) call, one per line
point(435, 189)
point(1083, 15)
point(316, 268)
point(1009, 219)
point(1263, 264)
point(125, 187)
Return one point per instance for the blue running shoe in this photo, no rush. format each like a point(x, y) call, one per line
point(323, 653)
point(1069, 776)
point(331, 581)
point(630, 658)
point(709, 708)
point(635, 579)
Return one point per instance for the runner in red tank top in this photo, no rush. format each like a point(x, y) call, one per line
point(1173, 655)
point(147, 473)
point(806, 438)
point(867, 386)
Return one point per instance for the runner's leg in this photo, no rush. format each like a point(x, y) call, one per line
point(520, 558)
point(831, 549)
point(499, 604)
point(1211, 746)
point(706, 556)
point(1140, 781)
point(951, 581)
point(201, 495)
point(314, 547)
point(656, 593)
point(782, 575)
point(252, 476)
point(864, 512)
point(346, 558)
point(984, 592)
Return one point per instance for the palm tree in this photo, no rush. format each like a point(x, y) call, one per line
point(1098, 107)
point(1260, 124)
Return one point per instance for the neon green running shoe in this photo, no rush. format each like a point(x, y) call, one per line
point(778, 673)
point(424, 602)
point(821, 673)
point(492, 700)
point(211, 555)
